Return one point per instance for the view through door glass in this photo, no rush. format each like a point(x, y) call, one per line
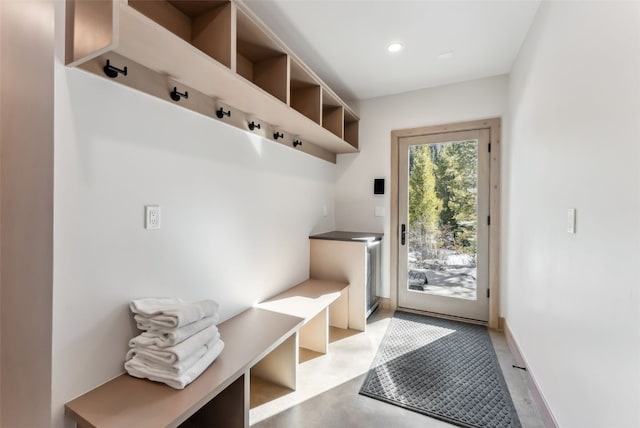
point(445, 244)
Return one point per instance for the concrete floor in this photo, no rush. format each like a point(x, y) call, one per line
point(328, 385)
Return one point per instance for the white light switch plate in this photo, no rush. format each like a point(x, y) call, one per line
point(571, 220)
point(379, 212)
point(152, 217)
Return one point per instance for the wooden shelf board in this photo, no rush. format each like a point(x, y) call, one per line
point(297, 84)
point(254, 43)
point(262, 391)
point(256, 53)
point(193, 8)
point(149, 43)
point(349, 116)
point(301, 76)
point(330, 99)
point(165, 14)
point(305, 300)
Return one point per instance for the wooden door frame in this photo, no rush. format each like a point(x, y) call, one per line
point(494, 126)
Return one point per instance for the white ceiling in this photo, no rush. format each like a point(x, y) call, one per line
point(345, 41)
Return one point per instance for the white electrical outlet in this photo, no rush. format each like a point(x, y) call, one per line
point(152, 217)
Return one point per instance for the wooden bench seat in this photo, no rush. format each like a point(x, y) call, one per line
point(320, 303)
point(257, 341)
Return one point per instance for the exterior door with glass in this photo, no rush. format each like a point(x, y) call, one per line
point(443, 254)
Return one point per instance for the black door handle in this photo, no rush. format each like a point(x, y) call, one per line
point(403, 234)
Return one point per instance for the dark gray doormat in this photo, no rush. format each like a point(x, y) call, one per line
point(441, 368)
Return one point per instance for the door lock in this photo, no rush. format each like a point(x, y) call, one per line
point(403, 234)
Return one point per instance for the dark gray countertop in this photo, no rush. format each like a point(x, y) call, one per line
point(337, 235)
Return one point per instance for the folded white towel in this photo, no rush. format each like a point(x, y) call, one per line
point(172, 336)
point(170, 355)
point(134, 368)
point(148, 324)
point(173, 313)
point(177, 368)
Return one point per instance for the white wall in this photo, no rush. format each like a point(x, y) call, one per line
point(236, 214)
point(573, 303)
point(355, 202)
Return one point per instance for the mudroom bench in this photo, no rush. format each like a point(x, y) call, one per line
point(258, 343)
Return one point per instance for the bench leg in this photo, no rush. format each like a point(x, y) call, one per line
point(314, 335)
point(339, 311)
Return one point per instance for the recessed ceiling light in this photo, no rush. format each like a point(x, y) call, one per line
point(446, 55)
point(394, 47)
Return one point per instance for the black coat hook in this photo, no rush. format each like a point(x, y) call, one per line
point(175, 95)
point(112, 71)
point(254, 125)
point(221, 113)
point(278, 135)
point(297, 143)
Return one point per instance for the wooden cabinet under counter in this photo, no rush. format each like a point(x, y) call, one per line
point(352, 257)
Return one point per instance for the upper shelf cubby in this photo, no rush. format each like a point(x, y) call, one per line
point(260, 60)
point(219, 52)
point(351, 134)
point(305, 92)
point(206, 24)
point(332, 114)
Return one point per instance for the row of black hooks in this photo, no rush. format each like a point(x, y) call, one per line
point(113, 72)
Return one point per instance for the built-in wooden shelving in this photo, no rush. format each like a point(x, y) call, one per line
point(222, 55)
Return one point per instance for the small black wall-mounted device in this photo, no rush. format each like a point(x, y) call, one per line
point(378, 186)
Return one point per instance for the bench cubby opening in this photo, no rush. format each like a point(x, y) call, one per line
point(206, 24)
point(226, 409)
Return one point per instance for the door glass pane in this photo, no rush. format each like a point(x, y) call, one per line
point(443, 214)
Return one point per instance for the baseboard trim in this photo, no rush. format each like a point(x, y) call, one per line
point(545, 412)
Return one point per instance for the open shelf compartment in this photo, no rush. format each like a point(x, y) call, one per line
point(205, 24)
point(306, 93)
point(332, 114)
point(351, 133)
point(260, 60)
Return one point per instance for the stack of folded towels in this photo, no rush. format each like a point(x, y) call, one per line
point(180, 340)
